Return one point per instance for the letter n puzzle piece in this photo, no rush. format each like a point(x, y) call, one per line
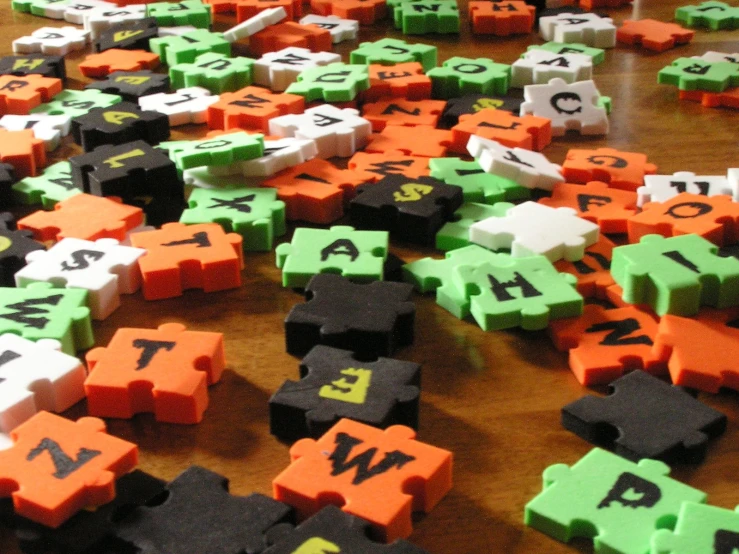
point(700, 529)
point(621, 170)
point(116, 59)
point(251, 108)
point(19, 94)
point(22, 150)
point(166, 371)
point(652, 34)
point(367, 469)
point(429, 16)
point(593, 271)
point(603, 494)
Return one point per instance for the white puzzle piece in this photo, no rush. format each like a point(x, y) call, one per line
point(278, 155)
point(712, 56)
point(278, 70)
point(75, 10)
point(539, 66)
point(104, 268)
point(253, 25)
point(99, 19)
point(531, 229)
point(175, 31)
point(49, 128)
point(340, 29)
point(585, 28)
point(56, 41)
point(187, 105)
point(660, 188)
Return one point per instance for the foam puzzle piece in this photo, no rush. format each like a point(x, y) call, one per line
point(283, 35)
point(334, 470)
point(277, 70)
point(606, 493)
point(57, 41)
point(397, 111)
point(46, 66)
point(53, 185)
point(73, 103)
point(18, 95)
point(101, 18)
point(501, 18)
point(279, 154)
point(22, 150)
point(251, 108)
point(713, 56)
point(7, 179)
point(185, 48)
point(132, 85)
point(76, 11)
point(224, 149)
point(372, 320)
point(621, 170)
point(129, 35)
point(403, 80)
point(199, 498)
point(14, 247)
point(333, 384)
point(526, 131)
point(644, 417)
point(366, 13)
point(104, 268)
point(36, 376)
point(458, 76)
point(711, 14)
point(390, 51)
point(337, 82)
point(216, 72)
point(700, 529)
point(597, 55)
point(477, 185)
point(426, 17)
point(116, 59)
point(675, 275)
point(250, 9)
point(373, 166)
point(456, 233)
point(341, 29)
point(120, 124)
point(538, 66)
point(695, 74)
point(184, 12)
point(187, 105)
point(49, 128)
point(43, 8)
point(727, 99)
point(653, 34)
point(473, 103)
point(585, 28)
point(433, 143)
point(257, 22)
point(661, 188)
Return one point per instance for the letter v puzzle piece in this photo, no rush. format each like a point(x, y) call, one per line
point(603, 494)
point(700, 529)
point(166, 371)
point(366, 470)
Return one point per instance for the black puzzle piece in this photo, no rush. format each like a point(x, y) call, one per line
point(124, 122)
point(128, 35)
point(132, 85)
point(34, 64)
point(14, 246)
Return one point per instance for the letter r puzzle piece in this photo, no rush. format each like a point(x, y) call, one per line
point(621, 170)
point(19, 94)
point(366, 469)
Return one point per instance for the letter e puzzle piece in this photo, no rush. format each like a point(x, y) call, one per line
point(586, 28)
point(700, 529)
point(593, 271)
point(14, 247)
point(22, 150)
point(116, 59)
point(367, 468)
point(652, 34)
point(187, 105)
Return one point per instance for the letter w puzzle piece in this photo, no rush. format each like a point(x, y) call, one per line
point(602, 495)
point(367, 470)
point(166, 371)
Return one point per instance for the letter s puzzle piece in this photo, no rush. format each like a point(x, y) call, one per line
point(653, 34)
point(166, 371)
point(366, 469)
point(601, 495)
point(700, 529)
point(621, 170)
point(56, 467)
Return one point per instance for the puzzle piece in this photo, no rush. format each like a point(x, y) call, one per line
point(711, 14)
point(374, 166)
point(727, 99)
point(46, 66)
point(501, 18)
point(102, 18)
point(529, 132)
point(337, 82)
point(119, 124)
point(216, 72)
point(397, 111)
point(26, 153)
point(284, 35)
point(539, 66)
point(419, 17)
point(597, 55)
point(473, 103)
point(73, 103)
point(458, 76)
point(586, 28)
point(57, 41)
point(602, 494)
point(661, 188)
point(185, 48)
point(371, 320)
point(700, 529)
point(116, 59)
point(52, 186)
point(184, 12)
point(187, 105)
point(18, 95)
point(259, 21)
point(366, 13)
point(49, 128)
point(224, 149)
point(129, 35)
point(341, 29)
point(255, 10)
point(251, 108)
point(279, 154)
point(621, 170)
point(132, 85)
point(652, 34)
point(713, 56)
point(329, 463)
point(75, 11)
point(43, 8)
point(390, 51)
point(277, 70)
point(456, 233)
point(477, 185)
point(433, 143)
point(403, 80)
point(696, 74)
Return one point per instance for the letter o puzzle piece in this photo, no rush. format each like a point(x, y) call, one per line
point(458, 76)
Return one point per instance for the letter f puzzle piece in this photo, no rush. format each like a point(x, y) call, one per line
point(602, 495)
point(166, 371)
point(368, 469)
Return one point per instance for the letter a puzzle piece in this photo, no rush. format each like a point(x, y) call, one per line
point(132, 85)
point(187, 105)
point(357, 255)
point(587, 28)
point(56, 467)
point(276, 70)
point(593, 271)
point(337, 82)
point(181, 257)
point(700, 529)
point(333, 384)
point(116, 59)
point(644, 417)
point(621, 170)
point(22, 150)
point(367, 468)
point(528, 131)
point(176, 365)
point(18, 95)
point(251, 108)
point(14, 246)
point(601, 495)
point(459, 76)
point(711, 14)
point(653, 34)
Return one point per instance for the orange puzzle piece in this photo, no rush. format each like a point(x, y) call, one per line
point(605, 344)
point(597, 202)
point(380, 476)
point(398, 111)
point(251, 108)
point(726, 99)
point(19, 94)
point(373, 167)
point(289, 33)
point(246, 9)
point(621, 170)
point(715, 218)
point(593, 4)
point(432, 143)
point(56, 467)
point(23, 151)
point(702, 350)
point(180, 257)
point(653, 34)
point(116, 59)
point(84, 216)
point(166, 371)
point(366, 12)
point(528, 131)
point(403, 80)
point(593, 271)
point(501, 18)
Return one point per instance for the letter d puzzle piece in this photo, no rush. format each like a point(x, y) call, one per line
point(368, 469)
point(700, 529)
point(603, 494)
point(56, 467)
point(166, 371)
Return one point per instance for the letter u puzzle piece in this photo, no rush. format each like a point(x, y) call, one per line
point(14, 247)
point(367, 468)
point(700, 529)
point(18, 95)
point(586, 28)
point(652, 34)
point(603, 494)
point(711, 14)
point(661, 188)
point(165, 371)
point(621, 170)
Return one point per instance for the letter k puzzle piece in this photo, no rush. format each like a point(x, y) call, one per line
point(368, 469)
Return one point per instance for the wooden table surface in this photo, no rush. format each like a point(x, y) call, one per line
point(492, 398)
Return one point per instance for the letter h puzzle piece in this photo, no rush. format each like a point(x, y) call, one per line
point(366, 470)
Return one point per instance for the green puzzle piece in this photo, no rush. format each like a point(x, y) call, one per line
point(336, 82)
point(253, 213)
point(456, 234)
point(477, 184)
point(185, 48)
point(36, 7)
point(696, 74)
point(714, 15)
point(427, 16)
point(616, 502)
point(75, 103)
point(700, 529)
point(221, 150)
point(518, 292)
point(459, 76)
point(40, 311)
point(357, 255)
point(216, 72)
point(597, 54)
point(52, 186)
point(185, 12)
point(676, 275)
point(389, 51)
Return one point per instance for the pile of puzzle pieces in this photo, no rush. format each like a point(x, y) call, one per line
point(296, 134)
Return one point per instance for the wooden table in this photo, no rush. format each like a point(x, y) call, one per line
point(493, 398)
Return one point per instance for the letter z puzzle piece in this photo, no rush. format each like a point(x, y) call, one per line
point(458, 76)
point(187, 105)
point(276, 70)
point(700, 529)
point(116, 59)
point(621, 170)
point(652, 34)
point(367, 469)
point(176, 366)
point(336, 82)
point(14, 247)
point(711, 14)
point(587, 28)
point(333, 384)
point(603, 494)
point(398, 111)
point(644, 417)
point(58, 41)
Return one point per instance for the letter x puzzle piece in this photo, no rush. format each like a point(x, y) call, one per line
point(58, 41)
point(46, 66)
point(587, 28)
point(18, 95)
point(181, 257)
point(104, 268)
point(187, 105)
point(251, 108)
point(22, 150)
point(131, 85)
point(501, 18)
point(216, 72)
point(276, 70)
point(366, 13)
point(391, 51)
point(653, 34)
point(697, 74)
point(661, 188)
point(336, 82)
point(14, 247)
point(368, 469)
point(175, 364)
point(711, 14)
point(333, 384)
point(458, 76)
point(676, 275)
point(621, 170)
point(116, 59)
point(700, 529)
point(601, 495)
point(527, 131)
point(119, 124)
point(357, 255)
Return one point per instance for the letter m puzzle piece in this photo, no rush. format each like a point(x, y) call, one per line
point(367, 470)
